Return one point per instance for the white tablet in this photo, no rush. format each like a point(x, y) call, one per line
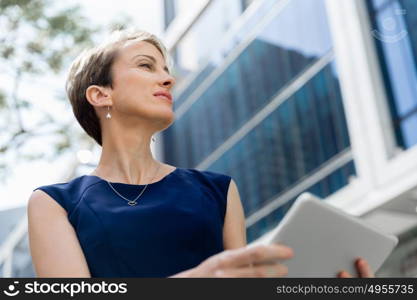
point(326, 240)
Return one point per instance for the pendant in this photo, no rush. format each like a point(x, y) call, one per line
point(131, 203)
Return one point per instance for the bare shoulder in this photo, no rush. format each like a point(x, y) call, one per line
point(169, 168)
point(41, 203)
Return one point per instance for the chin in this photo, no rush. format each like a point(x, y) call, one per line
point(166, 120)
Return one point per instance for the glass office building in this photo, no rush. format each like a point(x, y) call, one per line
point(267, 112)
point(275, 95)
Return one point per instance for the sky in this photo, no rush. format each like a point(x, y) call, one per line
point(146, 15)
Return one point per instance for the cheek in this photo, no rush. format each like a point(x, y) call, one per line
point(135, 85)
point(135, 79)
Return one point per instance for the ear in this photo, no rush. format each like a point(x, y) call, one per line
point(98, 96)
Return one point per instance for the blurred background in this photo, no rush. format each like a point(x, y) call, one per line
point(285, 96)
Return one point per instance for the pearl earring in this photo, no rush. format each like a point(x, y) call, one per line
point(108, 116)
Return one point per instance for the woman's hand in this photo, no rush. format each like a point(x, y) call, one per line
point(252, 261)
point(362, 267)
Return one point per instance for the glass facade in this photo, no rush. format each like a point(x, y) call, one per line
point(194, 48)
point(323, 188)
point(271, 61)
point(216, 49)
point(393, 22)
point(303, 132)
point(246, 3)
point(169, 12)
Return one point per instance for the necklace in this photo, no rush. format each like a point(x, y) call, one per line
point(133, 202)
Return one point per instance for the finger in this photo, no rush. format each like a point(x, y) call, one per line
point(270, 254)
point(344, 274)
point(254, 254)
point(276, 270)
point(363, 268)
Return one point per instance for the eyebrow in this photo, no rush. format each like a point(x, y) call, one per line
point(151, 58)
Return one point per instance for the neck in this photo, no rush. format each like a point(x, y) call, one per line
point(127, 157)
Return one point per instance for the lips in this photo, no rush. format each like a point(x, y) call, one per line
point(165, 95)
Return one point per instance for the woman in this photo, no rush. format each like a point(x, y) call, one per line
point(134, 216)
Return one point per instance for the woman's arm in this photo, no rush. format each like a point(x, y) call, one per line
point(54, 246)
point(234, 229)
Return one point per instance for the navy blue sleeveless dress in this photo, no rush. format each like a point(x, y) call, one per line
point(176, 224)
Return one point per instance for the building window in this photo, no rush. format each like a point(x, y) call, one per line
point(169, 12)
point(393, 22)
point(246, 3)
point(325, 187)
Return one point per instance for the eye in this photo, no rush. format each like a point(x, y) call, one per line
point(149, 66)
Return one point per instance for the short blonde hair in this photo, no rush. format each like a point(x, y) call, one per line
point(94, 67)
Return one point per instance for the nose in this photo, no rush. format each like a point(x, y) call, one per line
point(168, 81)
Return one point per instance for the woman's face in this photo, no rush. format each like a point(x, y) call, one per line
point(140, 81)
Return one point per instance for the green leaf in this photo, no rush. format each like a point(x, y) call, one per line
point(7, 51)
point(3, 102)
point(33, 10)
point(62, 145)
point(55, 61)
point(4, 4)
point(35, 47)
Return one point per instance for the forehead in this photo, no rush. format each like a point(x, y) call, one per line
point(132, 48)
